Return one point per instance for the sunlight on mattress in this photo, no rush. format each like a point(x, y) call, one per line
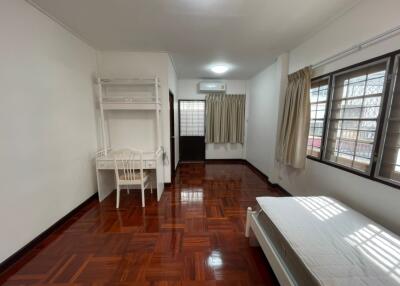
point(380, 247)
point(322, 208)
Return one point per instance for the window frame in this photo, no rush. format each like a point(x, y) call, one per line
point(378, 120)
point(382, 119)
point(394, 70)
point(319, 79)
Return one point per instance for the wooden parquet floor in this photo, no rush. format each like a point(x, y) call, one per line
point(193, 236)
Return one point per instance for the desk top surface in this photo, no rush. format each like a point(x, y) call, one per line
point(110, 156)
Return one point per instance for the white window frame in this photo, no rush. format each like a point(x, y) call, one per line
point(327, 78)
point(329, 118)
point(396, 69)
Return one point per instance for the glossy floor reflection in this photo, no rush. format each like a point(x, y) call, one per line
point(193, 236)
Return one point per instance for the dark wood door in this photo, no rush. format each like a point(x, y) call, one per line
point(172, 132)
point(192, 145)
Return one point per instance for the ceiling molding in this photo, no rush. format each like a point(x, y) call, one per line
point(60, 23)
point(332, 19)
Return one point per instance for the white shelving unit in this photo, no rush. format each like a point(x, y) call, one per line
point(129, 94)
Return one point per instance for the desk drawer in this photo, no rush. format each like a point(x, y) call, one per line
point(150, 164)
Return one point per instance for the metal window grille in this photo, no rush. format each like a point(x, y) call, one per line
point(318, 101)
point(355, 110)
point(192, 118)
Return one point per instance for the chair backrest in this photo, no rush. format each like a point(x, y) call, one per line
point(126, 161)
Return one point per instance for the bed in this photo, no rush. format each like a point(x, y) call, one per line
point(320, 241)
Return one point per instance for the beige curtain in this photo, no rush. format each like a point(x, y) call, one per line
point(295, 121)
point(225, 118)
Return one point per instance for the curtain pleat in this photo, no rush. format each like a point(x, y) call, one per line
point(209, 120)
point(225, 116)
point(291, 150)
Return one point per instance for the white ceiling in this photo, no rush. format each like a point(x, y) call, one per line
point(248, 34)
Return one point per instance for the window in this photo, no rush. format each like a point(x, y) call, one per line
point(389, 157)
point(354, 115)
point(318, 100)
point(362, 127)
point(191, 117)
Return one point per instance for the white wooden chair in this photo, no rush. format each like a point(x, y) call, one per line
point(129, 172)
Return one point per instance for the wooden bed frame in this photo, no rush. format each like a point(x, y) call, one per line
point(278, 264)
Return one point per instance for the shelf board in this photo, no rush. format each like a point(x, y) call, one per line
point(131, 106)
point(128, 82)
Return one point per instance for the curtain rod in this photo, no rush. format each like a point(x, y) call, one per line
point(371, 41)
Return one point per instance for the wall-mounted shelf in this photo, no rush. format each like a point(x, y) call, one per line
point(130, 94)
point(127, 82)
point(132, 101)
point(131, 106)
point(140, 94)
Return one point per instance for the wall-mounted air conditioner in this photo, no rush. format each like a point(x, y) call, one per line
point(212, 86)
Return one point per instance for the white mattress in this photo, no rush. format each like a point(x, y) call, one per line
point(338, 245)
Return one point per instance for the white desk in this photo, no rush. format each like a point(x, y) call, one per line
point(106, 174)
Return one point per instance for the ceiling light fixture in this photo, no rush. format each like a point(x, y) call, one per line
point(219, 69)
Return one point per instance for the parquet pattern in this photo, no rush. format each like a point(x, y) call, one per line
point(193, 236)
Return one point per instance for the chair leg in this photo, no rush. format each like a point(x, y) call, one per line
point(127, 190)
point(151, 187)
point(143, 202)
point(117, 201)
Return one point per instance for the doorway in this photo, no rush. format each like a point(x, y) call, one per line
point(172, 132)
point(192, 145)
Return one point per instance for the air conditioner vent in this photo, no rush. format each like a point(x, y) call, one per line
point(212, 86)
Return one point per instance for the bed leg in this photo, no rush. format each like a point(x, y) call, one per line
point(247, 230)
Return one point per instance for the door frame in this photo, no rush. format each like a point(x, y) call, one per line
point(179, 124)
point(172, 132)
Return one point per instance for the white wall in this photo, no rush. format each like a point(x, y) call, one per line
point(138, 128)
point(264, 112)
point(187, 89)
point(47, 123)
point(367, 19)
point(376, 200)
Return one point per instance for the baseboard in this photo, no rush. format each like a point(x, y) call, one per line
point(216, 161)
point(226, 161)
point(282, 189)
point(6, 264)
point(266, 178)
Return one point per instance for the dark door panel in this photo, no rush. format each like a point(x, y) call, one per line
point(192, 148)
point(191, 130)
point(172, 132)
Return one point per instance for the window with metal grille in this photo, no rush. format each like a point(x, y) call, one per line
point(388, 167)
point(191, 117)
point(354, 115)
point(318, 100)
